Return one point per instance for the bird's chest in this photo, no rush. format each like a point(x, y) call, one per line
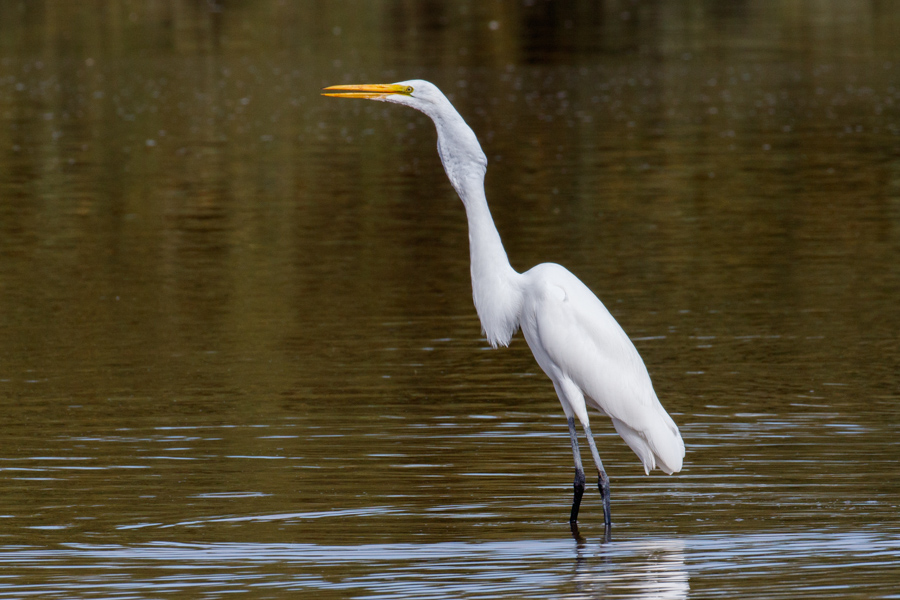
point(543, 321)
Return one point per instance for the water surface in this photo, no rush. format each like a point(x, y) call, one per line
point(238, 353)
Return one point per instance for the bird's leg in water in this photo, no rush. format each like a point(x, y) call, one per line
point(579, 472)
point(603, 482)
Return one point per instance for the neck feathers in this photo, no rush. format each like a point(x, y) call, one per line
point(495, 286)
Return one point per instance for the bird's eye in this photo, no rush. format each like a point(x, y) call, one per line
point(409, 89)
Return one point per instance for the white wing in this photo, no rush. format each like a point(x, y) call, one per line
point(576, 340)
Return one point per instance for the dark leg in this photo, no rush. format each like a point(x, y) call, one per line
point(603, 482)
point(579, 472)
point(579, 539)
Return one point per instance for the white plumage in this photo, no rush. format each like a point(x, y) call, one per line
point(575, 340)
point(582, 348)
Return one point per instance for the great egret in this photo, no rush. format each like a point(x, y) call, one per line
point(574, 339)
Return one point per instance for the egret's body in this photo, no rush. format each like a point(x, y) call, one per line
point(574, 339)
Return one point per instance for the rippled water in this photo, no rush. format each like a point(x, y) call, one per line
point(646, 568)
point(238, 353)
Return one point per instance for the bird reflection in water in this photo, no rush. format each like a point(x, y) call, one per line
point(635, 569)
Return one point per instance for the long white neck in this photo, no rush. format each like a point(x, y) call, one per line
point(495, 286)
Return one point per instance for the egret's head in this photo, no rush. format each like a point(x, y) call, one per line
point(458, 147)
point(415, 93)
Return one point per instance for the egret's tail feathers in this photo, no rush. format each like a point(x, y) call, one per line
point(659, 446)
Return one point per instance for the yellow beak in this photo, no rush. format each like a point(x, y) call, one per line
point(372, 90)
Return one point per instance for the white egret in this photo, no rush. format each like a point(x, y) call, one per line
point(575, 340)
